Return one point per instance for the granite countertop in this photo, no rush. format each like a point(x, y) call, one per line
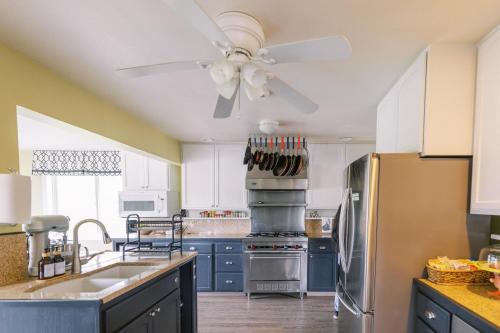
point(32, 289)
point(319, 235)
point(202, 235)
point(473, 298)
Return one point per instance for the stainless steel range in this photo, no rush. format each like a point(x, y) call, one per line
point(276, 250)
point(275, 263)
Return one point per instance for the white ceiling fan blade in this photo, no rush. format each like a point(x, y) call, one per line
point(328, 48)
point(196, 16)
point(224, 106)
point(292, 96)
point(166, 67)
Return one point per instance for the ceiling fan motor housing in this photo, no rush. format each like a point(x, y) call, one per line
point(243, 30)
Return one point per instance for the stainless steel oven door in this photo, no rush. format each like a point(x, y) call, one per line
point(275, 267)
point(275, 271)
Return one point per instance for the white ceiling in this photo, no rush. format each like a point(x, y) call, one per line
point(86, 40)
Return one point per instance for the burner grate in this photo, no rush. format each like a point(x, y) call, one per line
point(288, 234)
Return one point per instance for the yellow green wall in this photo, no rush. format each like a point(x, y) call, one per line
point(27, 83)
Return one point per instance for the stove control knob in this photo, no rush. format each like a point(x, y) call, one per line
point(297, 247)
point(275, 246)
point(253, 247)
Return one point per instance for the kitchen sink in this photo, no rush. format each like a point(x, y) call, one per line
point(83, 285)
point(123, 271)
point(99, 281)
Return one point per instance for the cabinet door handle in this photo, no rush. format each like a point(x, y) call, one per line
point(322, 247)
point(310, 256)
point(229, 262)
point(229, 247)
point(192, 248)
point(176, 280)
point(152, 314)
point(158, 309)
point(229, 281)
point(430, 315)
point(208, 257)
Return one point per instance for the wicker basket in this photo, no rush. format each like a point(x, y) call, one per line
point(476, 277)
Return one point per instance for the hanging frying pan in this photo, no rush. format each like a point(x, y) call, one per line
point(270, 160)
point(276, 154)
point(250, 161)
point(305, 153)
point(293, 156)
point(248, 152)
point(281, 164)
point(297, 167)
point(288, 158)
point(256, 152)
point(264, 157)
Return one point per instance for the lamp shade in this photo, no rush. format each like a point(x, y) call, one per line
point(15, 199)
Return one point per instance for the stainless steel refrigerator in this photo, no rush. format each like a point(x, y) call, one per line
point(398, 210)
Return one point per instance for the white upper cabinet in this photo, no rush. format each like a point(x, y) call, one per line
point(213, 177)
point(198, 181)
point(134, 171)
point(430, 109)
point(485, 191)
point(357, 150)
point(157, 175)
point(326, 175)
point(145, 173)
point(230, 177)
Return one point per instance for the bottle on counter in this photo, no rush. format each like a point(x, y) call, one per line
point(45, 266)
point(59, 263)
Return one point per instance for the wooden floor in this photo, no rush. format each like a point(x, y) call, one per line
point(273, 314)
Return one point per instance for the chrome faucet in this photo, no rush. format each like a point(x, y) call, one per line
point(77, 262)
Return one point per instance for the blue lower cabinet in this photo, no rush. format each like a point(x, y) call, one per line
point(229, 263)
point(229, 282)
point(204, 272)
point(321, 275)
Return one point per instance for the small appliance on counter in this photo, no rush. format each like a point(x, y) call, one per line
point(489, 260)
point(38, 237)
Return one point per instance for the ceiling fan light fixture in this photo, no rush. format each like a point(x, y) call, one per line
point(255, 76)
point(226, 89)
point(222, 71)
point(268, 126)
point(255, 93)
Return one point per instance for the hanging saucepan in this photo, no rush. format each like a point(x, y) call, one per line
point(248, 152)
point(293, 155)
point(297, 167)
point(270, 159)
point(288, 158)
point(265, 157)
point(281, 164)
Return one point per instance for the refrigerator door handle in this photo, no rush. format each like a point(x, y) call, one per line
point(353, 226)
point(352, 309)
point(341, 235)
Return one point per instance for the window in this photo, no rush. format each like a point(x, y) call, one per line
point(83, 197)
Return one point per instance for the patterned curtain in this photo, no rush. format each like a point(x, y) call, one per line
point(76, 163)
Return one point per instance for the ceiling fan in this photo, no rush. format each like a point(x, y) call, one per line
point(240, 38)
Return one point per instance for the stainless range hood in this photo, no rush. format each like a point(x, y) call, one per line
point(265, 180)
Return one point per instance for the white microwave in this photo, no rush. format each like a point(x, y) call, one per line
point(149, 203)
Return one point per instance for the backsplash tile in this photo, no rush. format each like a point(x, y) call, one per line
point(13, 259)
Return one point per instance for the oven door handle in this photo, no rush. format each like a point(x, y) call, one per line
point(297, 253)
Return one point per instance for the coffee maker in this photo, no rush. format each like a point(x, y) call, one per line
point(38, 236)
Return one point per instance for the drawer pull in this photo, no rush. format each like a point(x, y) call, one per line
point(176, 280)
point(229, 281)
point(192, 248)
point(229, 247)
point(322, 247)
point(229, 262)
point(158, 309)
point(152, 314)
point(430, 315)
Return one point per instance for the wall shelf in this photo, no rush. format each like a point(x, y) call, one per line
point(215, 218)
